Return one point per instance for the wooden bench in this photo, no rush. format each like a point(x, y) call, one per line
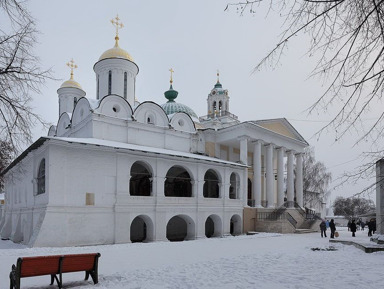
point(55, 266)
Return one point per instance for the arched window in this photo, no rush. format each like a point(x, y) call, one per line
point(110, 82)
point(211, 185)
point(220, 106)
point(41, 178)
point(234, 186)
point(214, 106)
point(140, 183)
point(125, 84)
point(177, 183)
point(97, 90)
point(150, 119)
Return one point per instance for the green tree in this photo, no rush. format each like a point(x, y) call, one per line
point(352, 207)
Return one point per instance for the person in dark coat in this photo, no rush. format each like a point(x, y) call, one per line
point(349, 225)
point(362, 225)
point(332, 226)
point(323, 229)
point(353, 228)
point(370, 227)
point(373, 226)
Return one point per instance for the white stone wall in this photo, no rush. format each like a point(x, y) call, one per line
point(61, 217)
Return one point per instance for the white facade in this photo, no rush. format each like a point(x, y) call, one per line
point(112, 171)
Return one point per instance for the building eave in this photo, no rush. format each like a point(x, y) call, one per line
point(31, 148)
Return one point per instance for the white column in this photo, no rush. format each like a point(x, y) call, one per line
point(280, 176)
point(244, 150)
point(299, 179)
point(256, 191)
point(269, 174)
point(290, 177)
point(380, 196)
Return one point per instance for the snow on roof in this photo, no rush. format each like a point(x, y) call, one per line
point(119, 145)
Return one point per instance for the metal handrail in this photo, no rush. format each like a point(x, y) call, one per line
point(291, 219)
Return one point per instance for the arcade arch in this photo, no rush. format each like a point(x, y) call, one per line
point(180, 228)
point(211, 185)
point(140, 183)
point(234, 186)
point(142, 229)
point(235, 225)
point(213, 226)
point(178, 183)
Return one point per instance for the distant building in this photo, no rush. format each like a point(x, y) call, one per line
point(114, 170)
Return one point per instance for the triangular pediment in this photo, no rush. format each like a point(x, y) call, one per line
point(280, 126)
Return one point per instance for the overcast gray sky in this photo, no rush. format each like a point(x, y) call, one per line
point(195, 38)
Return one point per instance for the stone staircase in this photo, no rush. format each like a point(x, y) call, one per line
point(304, 231)
point(289, 218)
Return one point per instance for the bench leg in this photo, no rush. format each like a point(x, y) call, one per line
point(14, 280)
point(94, 276)
point(53, 278)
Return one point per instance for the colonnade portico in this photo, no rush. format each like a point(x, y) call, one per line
point(268, 165)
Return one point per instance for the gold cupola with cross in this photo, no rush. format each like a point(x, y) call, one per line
point(71, 82)
point(116, 51)
point(69, 92)
point(116, 71)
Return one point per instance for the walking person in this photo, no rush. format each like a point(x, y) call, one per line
point(349, 225)
point(353, 228)
point(327, 224)
point(362, 224)
point(332, 226)
point(370, 224)
point(323, 229)
point(373, 226)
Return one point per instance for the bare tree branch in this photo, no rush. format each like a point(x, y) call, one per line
point(347, 36)
point(20, 75)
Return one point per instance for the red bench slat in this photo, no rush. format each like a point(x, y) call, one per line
point(55, 266)
point(78, 262)
point(37, 266)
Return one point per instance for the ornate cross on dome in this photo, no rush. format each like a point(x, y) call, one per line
point(218, 75)
point(172, 71)
point(71, 64)
point(115, 22)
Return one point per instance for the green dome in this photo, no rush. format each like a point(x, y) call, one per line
point(218, 85)
point(171, 94)
point(172, 107)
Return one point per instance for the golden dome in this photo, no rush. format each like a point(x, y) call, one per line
point(71, 83)
point(116, 52)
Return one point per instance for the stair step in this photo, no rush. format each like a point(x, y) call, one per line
point(304, 231)
point(252, 233)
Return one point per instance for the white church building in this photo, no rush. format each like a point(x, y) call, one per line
point(114, 170)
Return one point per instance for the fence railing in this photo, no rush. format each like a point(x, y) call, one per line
point(218, 114)
point(270, 216)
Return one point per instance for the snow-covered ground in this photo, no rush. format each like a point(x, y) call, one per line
point(260, 261)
